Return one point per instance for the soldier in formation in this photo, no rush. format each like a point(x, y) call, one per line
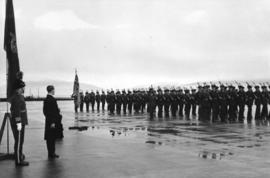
point(210, 103)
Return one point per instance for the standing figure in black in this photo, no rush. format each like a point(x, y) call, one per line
point(258, 102)
point(180, 98)
point(92, 100)
point(241, 97)
point(249, 102)
point(265, 100)
point(151, 102)
point(215, 105)
point(87, 101)
point(130, 101)
point(160, 102)
point(174, 102)
point(103, 100)
point(81, 101)
point(193, 101)
point(125, 101)
point(167, 102)
point(187, 100)
point(232, 99)
point(53, 119)
point(98, 100)
point(118, 100)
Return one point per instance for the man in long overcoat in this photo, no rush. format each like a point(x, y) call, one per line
point(53, 117)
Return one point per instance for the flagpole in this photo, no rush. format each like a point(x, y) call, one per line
point(7, 107)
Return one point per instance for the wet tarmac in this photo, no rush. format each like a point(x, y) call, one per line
point(100, 145)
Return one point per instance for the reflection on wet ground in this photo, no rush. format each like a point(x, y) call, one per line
point(208, 140)
point(204, 139)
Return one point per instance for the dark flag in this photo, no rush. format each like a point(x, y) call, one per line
point(76, 90)
point(10, 46)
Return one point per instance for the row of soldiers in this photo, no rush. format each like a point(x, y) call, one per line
point(209, 102)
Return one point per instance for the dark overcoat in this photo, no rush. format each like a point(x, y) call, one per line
point(52, 115)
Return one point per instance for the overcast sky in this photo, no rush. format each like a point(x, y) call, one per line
point(124, 43)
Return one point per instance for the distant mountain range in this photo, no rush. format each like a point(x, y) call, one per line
point(62, 88)
point(195, 84)
point(65, 88)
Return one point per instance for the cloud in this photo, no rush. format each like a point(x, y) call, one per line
point(61, 20)
point(196, 17)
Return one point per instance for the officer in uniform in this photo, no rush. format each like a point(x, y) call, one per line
point(103, 100)
point(249, 102)
point(193, 102)
point(180, 97)
point(125, 101)
point(130, 101)
point(215, 103)
point(81, 101)
point(98, 100)
point(167, 101)
point(187, 103)
point(223, 99)
point(160, 102)
point(87, 100)
point(265, 100)
point(258, 102)
point(174, 103)
point(241, 97)
point(18, 121)
point(151, 102)
point(232, 98)
point(92, 99)
point(206, 100)
point(118, 100)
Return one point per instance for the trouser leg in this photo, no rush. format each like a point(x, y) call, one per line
point(50, 146)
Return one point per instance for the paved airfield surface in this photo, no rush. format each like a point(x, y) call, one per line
point(133, 146)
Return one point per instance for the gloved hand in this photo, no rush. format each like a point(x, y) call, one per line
point(19, 126)
point(53, 125)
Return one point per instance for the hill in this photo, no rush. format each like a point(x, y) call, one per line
point(62, 88)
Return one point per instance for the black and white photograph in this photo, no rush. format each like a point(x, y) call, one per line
point(135, 88)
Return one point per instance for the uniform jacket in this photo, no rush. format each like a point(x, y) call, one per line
point(18, 110)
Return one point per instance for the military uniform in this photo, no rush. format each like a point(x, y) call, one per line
point(92, 100)
point(152, 103)
point(241, 97)
point(160, 102)
point(249, 102)
point(193, 102)
point(187, 101)
point(87, 101)
point(180, 98)
point(81, 101)
point(98, 100)
point(167, 101)
point(18, 117)
point(130, 101)
point(232, 99)
point(264, 112)
point(103, 100)
point(258, 102)
point(215, 105)
point(124, 101)
point(118, 100)
point(174, 103)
